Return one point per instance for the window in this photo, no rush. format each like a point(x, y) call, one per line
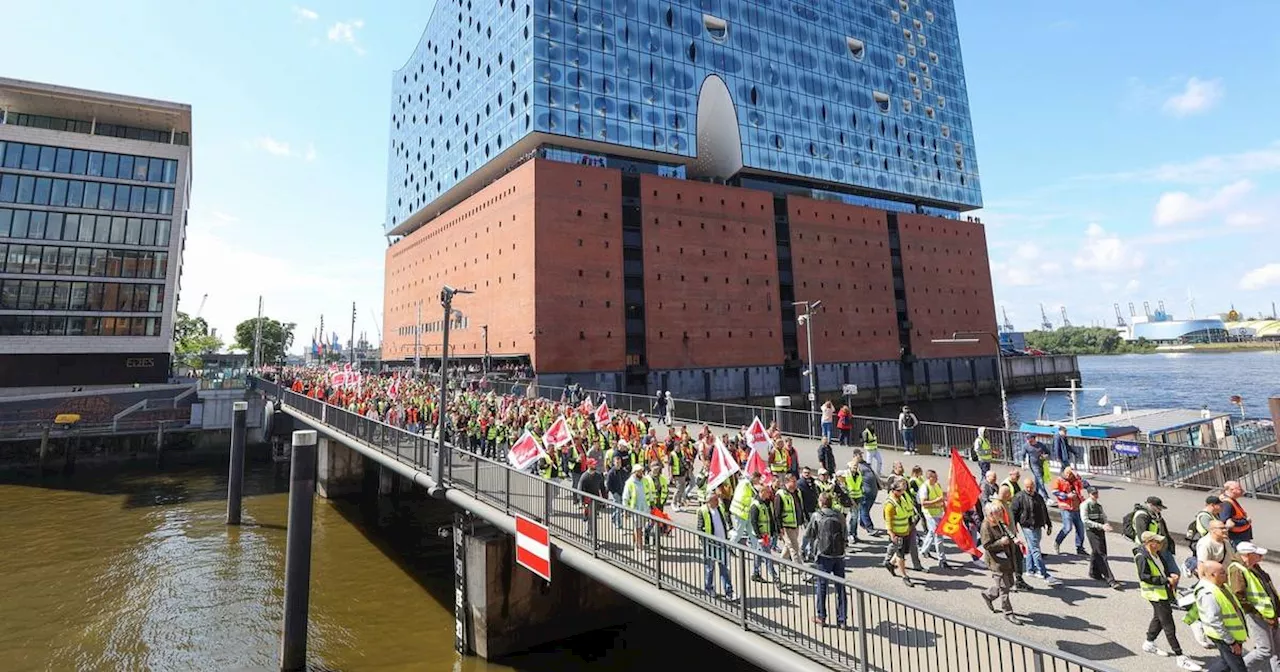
point(26, 189)
point(857, 48)
point(716, 27)
point(882, 100)
point(62, 162)
point(111, 165)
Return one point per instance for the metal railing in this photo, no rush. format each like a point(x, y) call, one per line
point(27, 431)
point(884, 632)
point(1200, 467)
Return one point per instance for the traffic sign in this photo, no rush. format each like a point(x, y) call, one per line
point(533, 547)
point(849, 390)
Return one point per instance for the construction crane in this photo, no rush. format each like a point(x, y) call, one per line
point(1006, 325)
point(1146, 308)
point(377, 323)
point(1120, 317)
point(1132, 312)
point(199, 310)
point(1065, 321)
point(1044, 320)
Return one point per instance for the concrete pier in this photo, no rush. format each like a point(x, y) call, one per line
point(340, 470)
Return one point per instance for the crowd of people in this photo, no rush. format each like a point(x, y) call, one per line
point(815, 515)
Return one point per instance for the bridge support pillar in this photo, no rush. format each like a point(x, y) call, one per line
point(340, 470)
point(508, 609)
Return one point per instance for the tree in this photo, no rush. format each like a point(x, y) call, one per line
point(1085, 341)
point(277, 337)
point(192, 340)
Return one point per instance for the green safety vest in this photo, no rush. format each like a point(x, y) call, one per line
point(658, 490)
point(984, 450)
point(788, 502)
point(759, 511)
point(934, 491)
point(899, 522)
point(704, 512)
point(1232, 617)
point(677, 462)
point(1150, 591)
point(742, 500)
point(1255, 593)
point(831, 488)
point(493, 431)
point(548, 467)
point(853, 483)
point(869, 442)
point(778, 461)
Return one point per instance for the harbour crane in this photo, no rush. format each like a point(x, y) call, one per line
point(1120, 317)
point(377, 323)
point(199, 310)
point(1132, 312)
point(1044, 320)
point(1146, 308)
point(1065, 321)
point(1006, 325)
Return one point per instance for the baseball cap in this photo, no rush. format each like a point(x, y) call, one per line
point(635, 469)
point(823, 471)
point(1091, 490)
point(1152, 536)
point(1155, 501)
point(1212, 499)
point(1249, 547)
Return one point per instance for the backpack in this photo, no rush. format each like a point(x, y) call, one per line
point(1193, 531)
point(1127, 522)
point(829, 538)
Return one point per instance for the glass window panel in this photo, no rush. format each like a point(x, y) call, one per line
point(31, 265)
point(53, 229)
point(62, 163)
point(30, 156)
point(17, 257)
point(148, 232)
point(162, 265)
point(91, 195)
point(108, 326)
point(6, 222)
point(95, 164)
point(26, 188)
point(57, 323)
point(124, 297)
point(86, 228)
point(98, 263)
point(133, 231)
point(48, 157)
point(21, 223)
point(44, 187)
point(44, 295)
point(162, 232)
point(61, 295)
point(75, 193)
point(155, 170)
point(121, 198)
point(59, 194)
point(117, 230)
point(141, 297)
point(106, 196)
point(129, 264)
point(82, 260)
point(94, 301)
point(136, 197)
point(79, 161)
point(13, 155)
point(27, 295)
point(110, 165)
point(8, 188)
point(114, 259)
point(126, 168)
point(9, 294)
point(4, 255)
point(75, 326)
point(140, 168)
point(92, 326)
point(153, 326)
point(66, 260)
point(170, 171)
point(79, 292)
point(166, 201)
point(36, 229)
point(138, 326)
point(39, 324)
point(110, 295)
point(49, 261)
point(146, 264)
point(71, 227)
point(122, 326)
point(155, 299)
point(102, 230)
point(152, 205)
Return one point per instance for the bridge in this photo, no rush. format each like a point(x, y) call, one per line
point(768, 624)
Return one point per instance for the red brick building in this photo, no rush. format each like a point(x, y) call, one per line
point(626, 280)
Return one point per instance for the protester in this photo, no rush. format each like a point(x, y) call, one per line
point(635, 497)
point(763, 527)
point(932, 502)
point(1158, 578)
point(1069, 491)
point(1149, 517)
point(1239, 525)
point(1037, 460)
point(593, 484)
point(616, 482)
point(907, 422)
point(902, 538)
point(871, 448)
point(1063, 451)
point(982, 453)
point(788, 514)
point(827, 531)
point(1222, 617)
point(713, 519)
point(1096, 529)
point(743, 496)
point(1256, 594)
point(1031, 515)
point(1000, 549)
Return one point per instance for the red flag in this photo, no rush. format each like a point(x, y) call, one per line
point(524, 451)
point(760, 444)
point(962, 494)
point(601, 416)
point(586, 405)
point(393, 390)
point(557, 434)
point(721, 466)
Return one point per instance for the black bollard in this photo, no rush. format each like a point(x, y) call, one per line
point(235, 473)
point(297, 551)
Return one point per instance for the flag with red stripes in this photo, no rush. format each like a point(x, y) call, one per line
point(533, 547)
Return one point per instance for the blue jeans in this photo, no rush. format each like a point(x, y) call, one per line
point(864, 513)
point(875, 460)
point(983, 468)
point(1035, 561)
point(835, 567)
point(908, 438)
point(763, 558)
point(826, 429)
point(854, 516)
point(616, 512)
point(1071, 521)
point(1038, 475)
point(715, 555)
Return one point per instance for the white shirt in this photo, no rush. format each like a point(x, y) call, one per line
point(717, 524)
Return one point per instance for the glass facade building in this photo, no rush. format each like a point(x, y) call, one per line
point(865, 97)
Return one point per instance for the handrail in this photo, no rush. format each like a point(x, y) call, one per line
point(958, 645)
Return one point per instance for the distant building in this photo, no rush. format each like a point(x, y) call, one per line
point(1178, 332)
point(638, 194)
point(93, 201)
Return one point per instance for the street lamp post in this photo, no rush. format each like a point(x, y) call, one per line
point(970, 337)
point(484, 362)
point(806, 320)
point(446, 301)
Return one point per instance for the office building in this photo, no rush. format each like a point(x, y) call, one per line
point(93, 200)
point(638, 192)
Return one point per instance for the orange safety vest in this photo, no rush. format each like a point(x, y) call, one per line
point(1238, 513)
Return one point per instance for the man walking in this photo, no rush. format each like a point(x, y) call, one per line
point(1069, 489)
point(1096, 529)
point(1239, 525)
point(902, 538)
point(871, 448)
point(788, 511)
point(713, 519)
point(635, 497)
point(760, 518)
point(1063, 451)
point(1222, 617)
point(1030, 513)
point(826, 456)
point(982, 453)
point(743, 497)
point(1256, 594)
point(1158, 579)
point(932, 503)
point(870, 490)
point(907, 422)
point(999, 547)
point(616, 482)
point(827, 531)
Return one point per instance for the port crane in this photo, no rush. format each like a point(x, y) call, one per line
point(1120, 317)
point(1044, 320)
point(1006, 325)
point(1065, 321)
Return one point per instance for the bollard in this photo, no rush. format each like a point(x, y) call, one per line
point(44, 449)
point(235, 472)
point(297, 551)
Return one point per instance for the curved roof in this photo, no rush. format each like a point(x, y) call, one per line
point(1170, 330)
point(1256, 328)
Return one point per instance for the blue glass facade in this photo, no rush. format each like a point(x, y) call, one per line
point(867, 95)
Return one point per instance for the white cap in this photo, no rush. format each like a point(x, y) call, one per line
point(1248, 547)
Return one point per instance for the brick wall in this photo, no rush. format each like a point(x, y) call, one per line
point(948, 282)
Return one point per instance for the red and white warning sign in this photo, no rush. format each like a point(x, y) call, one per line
point(533, 547)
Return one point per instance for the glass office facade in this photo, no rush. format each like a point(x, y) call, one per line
point(867, 95)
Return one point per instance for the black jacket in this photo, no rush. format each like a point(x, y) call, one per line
point(1145, 575)
point(592, 483)
point(1030, 511)
point(827, 529)
point(617, 480)
point(808, 495)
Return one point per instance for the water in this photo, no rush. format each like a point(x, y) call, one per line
point(1160, 380)
point(123, 568)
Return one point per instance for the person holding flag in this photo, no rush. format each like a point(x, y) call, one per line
point(932, 504)
point(743, 496)
point(713, 519)
point(763, 530)
point(635, 498)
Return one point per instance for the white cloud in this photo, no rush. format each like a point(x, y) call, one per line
point(311, 153)
point(1026, 267)
point(224, 217)
point(1105, 252)
point(1132, 286)
point(1262, 277)
point(1197, 96)
point(1215, 168)
point(272, 146)
point(1178, 207)
point(304, 13)
point(344, 32)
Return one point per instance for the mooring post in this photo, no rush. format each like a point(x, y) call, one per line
point(297, 551)
point(235, 473)
point(44, 448)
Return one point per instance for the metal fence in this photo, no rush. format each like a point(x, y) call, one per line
point(1200, 467)
point(882, 633)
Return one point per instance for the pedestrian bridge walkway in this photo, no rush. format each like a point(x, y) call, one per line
point(770, 624)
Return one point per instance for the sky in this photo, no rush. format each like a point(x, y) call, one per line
point(1128, 151)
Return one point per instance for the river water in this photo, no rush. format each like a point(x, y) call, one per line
point(124, 568)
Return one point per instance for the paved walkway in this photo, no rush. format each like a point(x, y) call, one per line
point(1082, 616)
